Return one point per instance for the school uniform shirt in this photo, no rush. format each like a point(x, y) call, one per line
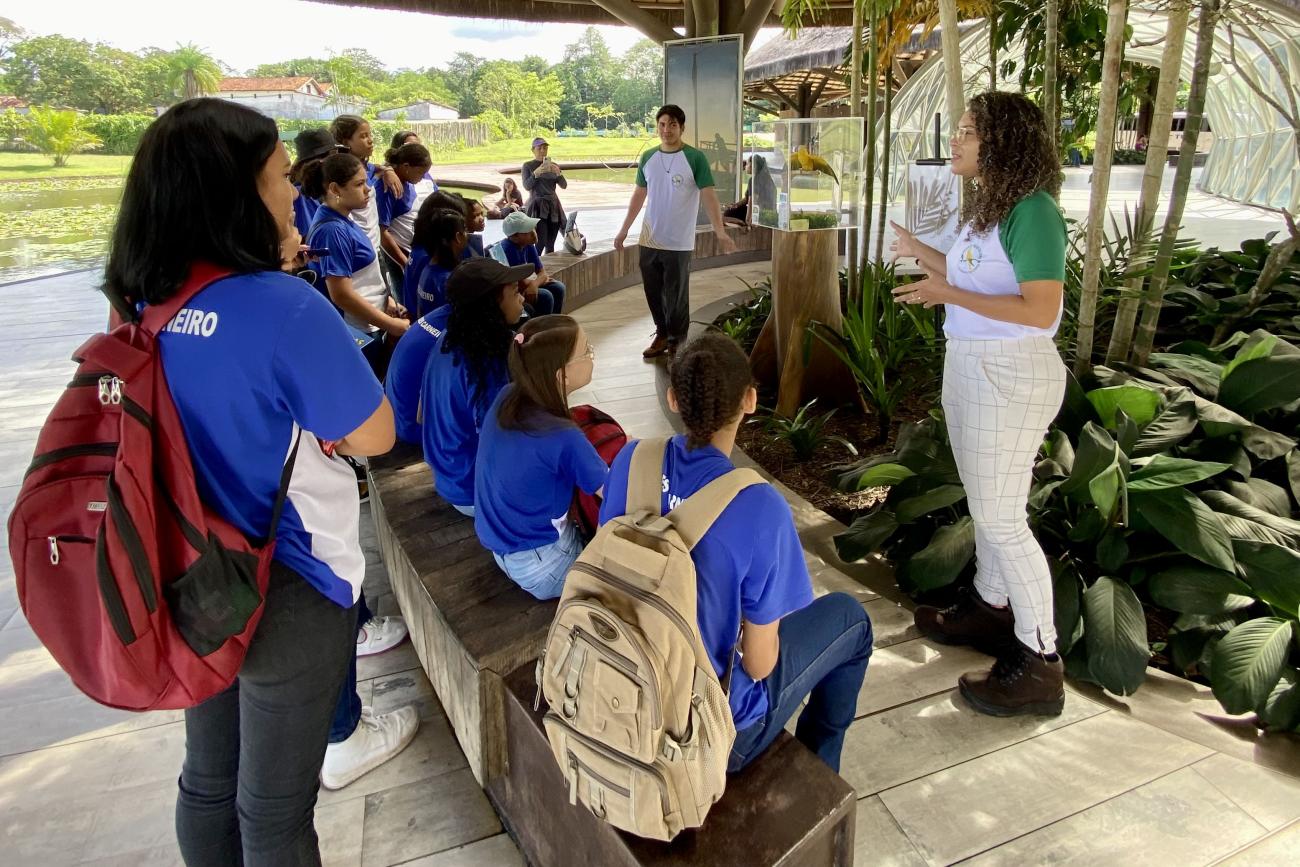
point(431, 288)
point(350, 255)
point(454, 410)
point(673, 182)
point(524, 481)
point(1029, 244)
point(474, 249)
point(304, 211)
point(406, 371)
point(735, 577)
point(411, 278)
point(249, 361)
point(519, 254)
point(397, 215)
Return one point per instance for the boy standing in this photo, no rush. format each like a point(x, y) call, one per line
point(673, 177)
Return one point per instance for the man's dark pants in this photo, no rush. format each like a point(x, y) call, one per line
point(666, 276)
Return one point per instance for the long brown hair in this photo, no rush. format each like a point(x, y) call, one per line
point(536, 399)
point(1016, 158)
point(709, 377)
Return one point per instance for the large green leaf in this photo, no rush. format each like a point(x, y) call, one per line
point(1293, 473)
point(941, 497)
point(1061, 449)
point(1248, 663)
point(1260, 346)
point(1066, 588)
point(1273, 572)
point(1223, 502)
point(1219, 421)
point(1097, 470)
point(1171, 426)
point(1200, 590)
point(940, 562)
point(1281, 710)
point(1188, 523)
point(1138, 403)
point(1203, 374)
point(1262, 494)
point(865, 535)
point(883, 476)
point(1262, 384)
point(1115, 631)
point(1163, 471)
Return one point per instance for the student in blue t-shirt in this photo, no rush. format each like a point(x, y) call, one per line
point(421, 238)
point(532, 457)
point(476, 222)
point(465, 372)
point(444, 236)
point(791, 645)
point(273, 366)
point(397, 213)
point(351, 269)
point(406, 371)
point(519, 245)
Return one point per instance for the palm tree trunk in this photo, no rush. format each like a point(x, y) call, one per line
point(993, 45)
point(886, 153)
point(851, 238)
point(1171, 65)
point(1155, 297)
point(191, 85)
point(1052, 14)
point(951, 41)
point(869, 169)
point(1116, 19)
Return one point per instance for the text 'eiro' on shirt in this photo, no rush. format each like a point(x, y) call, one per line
point(524, 481)
point(1029, 244)
point(406, 371)
point(350, 255)
point(431, 288)
point(248, 361)
point(454, 408)
point(673, 182)
point(735, 578)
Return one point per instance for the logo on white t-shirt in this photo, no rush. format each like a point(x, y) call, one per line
point(970, 258)
point(678, 180)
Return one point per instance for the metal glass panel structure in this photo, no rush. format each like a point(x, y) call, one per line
point(1254, 155)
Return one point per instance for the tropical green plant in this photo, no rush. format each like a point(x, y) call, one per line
point(744, 319)
point(60, 134)
point(1172, 487)
point(191, 72)
point(890, 348)
point(805, 431)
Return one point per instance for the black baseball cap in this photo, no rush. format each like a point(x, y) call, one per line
point(312, 144)
point(480, 276)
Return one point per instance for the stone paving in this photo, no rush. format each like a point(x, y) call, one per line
point(1160, 777)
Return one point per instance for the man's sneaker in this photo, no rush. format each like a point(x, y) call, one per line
point(657, 347)
point(968, 620)
point(1020, 682)
point(377, 738)
point(379, 634)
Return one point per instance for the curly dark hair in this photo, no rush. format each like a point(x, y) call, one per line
point(1017, 157)
point(479, 336)
point(709, 377)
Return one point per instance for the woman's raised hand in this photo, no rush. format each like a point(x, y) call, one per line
point(905, 244)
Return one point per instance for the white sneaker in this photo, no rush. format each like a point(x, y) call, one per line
point(379, 634)
point(376, 740)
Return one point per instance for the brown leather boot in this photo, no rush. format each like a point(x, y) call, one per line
point(968, 620)
point(1020, 682)
point(657, 347)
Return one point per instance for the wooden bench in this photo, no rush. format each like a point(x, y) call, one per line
point(470, 624)
point(786, 808)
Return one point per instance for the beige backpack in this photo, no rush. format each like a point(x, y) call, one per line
point(638, 720)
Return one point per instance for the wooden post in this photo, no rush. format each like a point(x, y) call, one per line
point(950, 38)
point(806, 287)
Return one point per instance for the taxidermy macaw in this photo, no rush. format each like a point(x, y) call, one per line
point(810, 162)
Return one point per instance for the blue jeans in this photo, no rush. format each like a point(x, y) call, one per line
point(541, 571)
point(824, 652)
point(550, 299)
point(347, 711)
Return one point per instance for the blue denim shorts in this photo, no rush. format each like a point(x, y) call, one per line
point(541, 571)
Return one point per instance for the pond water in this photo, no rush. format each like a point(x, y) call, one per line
point(615, 176)
point(55, 225)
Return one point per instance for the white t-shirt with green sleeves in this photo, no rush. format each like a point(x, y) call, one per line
point(673, 182)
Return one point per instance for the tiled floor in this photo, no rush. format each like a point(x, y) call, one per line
point(1160, 777)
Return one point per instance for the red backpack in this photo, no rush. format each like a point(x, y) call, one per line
point(609, 438)
point(144, 596)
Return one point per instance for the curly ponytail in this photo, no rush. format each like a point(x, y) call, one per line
point(709, 378)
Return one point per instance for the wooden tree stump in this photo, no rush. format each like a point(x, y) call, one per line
point(805, 288)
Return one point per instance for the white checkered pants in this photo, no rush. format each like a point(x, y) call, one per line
point(999, 396)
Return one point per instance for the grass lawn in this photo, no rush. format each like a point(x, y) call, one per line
point(519, 150)
point(32, 167)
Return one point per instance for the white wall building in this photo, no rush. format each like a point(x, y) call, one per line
point(294, 98)
point(421, 111)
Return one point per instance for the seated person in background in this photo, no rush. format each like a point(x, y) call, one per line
point(445, 240)
point(511, 200)
point(737, 214)
point(420, 241)
point(792, 645)
point(406, 371)
point(542, 294)
point(531, 457)
point(475, 221)
point(466, 370)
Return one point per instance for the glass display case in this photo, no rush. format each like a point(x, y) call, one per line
point(809, 176)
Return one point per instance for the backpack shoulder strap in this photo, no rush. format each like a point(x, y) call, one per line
point(645, 477)
point(696, 514)
point(202, 275)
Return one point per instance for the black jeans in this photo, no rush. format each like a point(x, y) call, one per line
point(347, 712)
point(547, 234)
point(666, 277)
point(253, 753)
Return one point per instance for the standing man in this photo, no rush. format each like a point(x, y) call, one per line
point(673, 176)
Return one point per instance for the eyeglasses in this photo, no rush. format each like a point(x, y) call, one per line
point(963, 133)
point(589, 355)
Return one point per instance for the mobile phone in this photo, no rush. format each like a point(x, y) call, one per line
point(316, 251)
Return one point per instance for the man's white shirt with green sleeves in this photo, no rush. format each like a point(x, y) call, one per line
point(673, 181)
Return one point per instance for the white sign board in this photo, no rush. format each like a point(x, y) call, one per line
point(933, 203)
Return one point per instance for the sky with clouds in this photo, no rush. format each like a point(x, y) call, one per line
point(245, 33)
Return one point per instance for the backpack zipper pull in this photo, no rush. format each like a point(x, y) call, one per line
point(54, 550)
point(115, 390)
point(537, 696)
point(105, 389)
point(573, 781)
